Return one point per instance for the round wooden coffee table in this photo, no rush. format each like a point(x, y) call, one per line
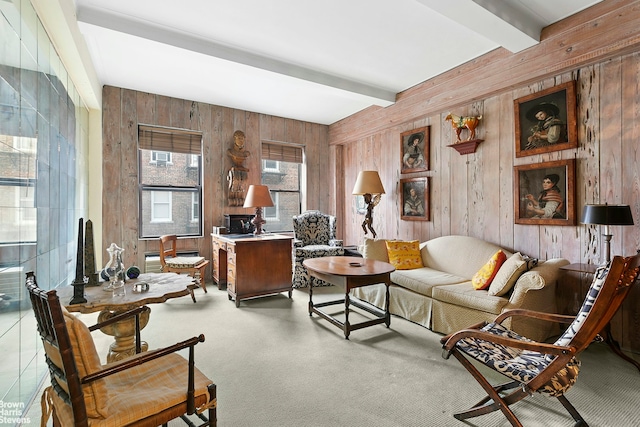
point(350, 272)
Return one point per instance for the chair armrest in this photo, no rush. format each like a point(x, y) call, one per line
point(297, 243)
point(152, 355)
point(506, 341)
point(551, 317)
point(119, 317)
point(142, 358)
point(336, 242)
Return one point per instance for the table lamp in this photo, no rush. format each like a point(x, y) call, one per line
point(607, 215)
point(258, 197)
point(369, 185)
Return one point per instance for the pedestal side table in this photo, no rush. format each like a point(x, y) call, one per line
point(162, 287)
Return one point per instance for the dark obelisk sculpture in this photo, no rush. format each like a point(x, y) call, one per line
point(90, 255)
point(78, 283)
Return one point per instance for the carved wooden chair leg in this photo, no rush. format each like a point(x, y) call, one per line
point(193, 295)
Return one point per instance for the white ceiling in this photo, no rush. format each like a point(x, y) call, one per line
point(316, 61)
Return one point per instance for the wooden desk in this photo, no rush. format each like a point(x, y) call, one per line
point(350, 272)
point(587, 271)
point(252, 266)
point(162, 286)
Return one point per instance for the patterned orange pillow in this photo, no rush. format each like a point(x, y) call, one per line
point(404, 255)
point(482, 279)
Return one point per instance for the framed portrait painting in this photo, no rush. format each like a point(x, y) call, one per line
point(414, 146)
point(546, 121)
point(415, 199)
point(544, 193)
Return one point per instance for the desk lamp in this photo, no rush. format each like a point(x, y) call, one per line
point(607, 215)
point(369, 185)
point(258, 197)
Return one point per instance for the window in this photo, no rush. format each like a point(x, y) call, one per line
point(271, 166)
point(160, 157)
point(281, 169)
point(170, 181)
point(18, 214)
point(160, 206)
point(195, 207)
point(271, 212)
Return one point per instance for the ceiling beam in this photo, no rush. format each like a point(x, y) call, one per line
point(58, 18)
point(162, 34)
point(497, 20)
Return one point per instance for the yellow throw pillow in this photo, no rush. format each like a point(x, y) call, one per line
point(482, 279)
point(404, 255)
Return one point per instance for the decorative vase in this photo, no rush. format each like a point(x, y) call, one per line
point(115, 270)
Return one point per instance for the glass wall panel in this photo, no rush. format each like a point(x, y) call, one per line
point(43, 185)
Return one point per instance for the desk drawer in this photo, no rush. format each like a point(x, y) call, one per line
point(231, 277)
point(218, 245)
point(231, 258)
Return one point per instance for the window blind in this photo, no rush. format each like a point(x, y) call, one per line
point(174, 140)
point(282, 152)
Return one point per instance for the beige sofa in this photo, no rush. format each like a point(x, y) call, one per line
point(440, 295)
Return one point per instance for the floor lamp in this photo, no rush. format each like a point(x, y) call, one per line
point(369, 185)
point(607, 215)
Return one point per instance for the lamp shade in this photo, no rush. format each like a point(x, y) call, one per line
point(368, 182)
point(258, 196)
point(607, 215)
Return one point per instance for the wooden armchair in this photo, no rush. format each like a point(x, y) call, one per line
point(531, 366)
point(147, 389)
point(194, 266)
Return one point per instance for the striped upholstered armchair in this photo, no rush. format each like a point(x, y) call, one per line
point(315, 237)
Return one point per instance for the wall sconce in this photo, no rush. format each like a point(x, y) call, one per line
point(258, 197)
point(607, 215)
point(369, 185)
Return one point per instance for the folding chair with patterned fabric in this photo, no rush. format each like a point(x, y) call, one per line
point(315, 237)
point(194, 266)
point(530, 366)
point(146, 389)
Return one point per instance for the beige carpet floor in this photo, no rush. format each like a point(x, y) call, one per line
point(276, 366)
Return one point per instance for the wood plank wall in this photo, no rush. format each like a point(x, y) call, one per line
point(473, 194)
point(122, 111)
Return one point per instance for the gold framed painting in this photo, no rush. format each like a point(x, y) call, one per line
point(544, 193)
point(546, 121)
point(415, 199)
point(414, 146)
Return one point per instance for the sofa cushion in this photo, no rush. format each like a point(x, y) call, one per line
point(464, 295)
point(508, 274)
point(459, 255)
point(404, 255)
point(374, 249)
point(482, 279)
point(422, 280)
